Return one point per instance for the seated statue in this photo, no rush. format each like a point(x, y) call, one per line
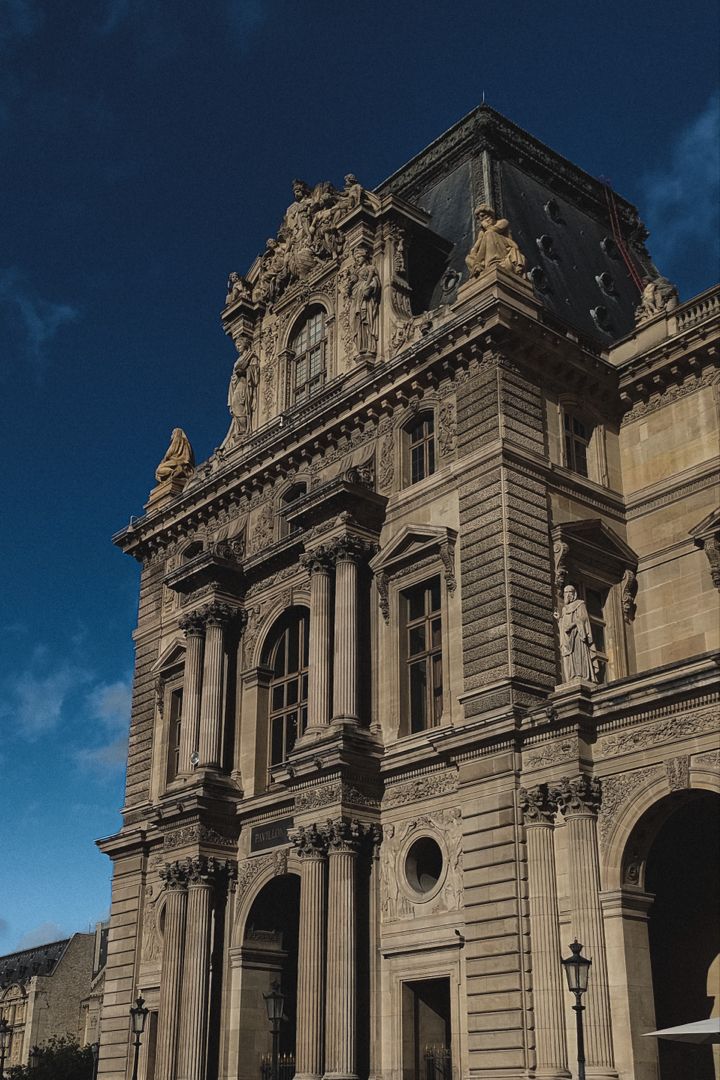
point(658, 295)
point(179, 460)
point(494, 246)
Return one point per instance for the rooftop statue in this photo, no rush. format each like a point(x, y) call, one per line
point(658, 295)
point(577, 648)
point(494, 246)
point(308, 235)
point(179, 460)
point(237, 288)
point(242, 392)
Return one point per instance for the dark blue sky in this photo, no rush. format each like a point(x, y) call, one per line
point(147, 150)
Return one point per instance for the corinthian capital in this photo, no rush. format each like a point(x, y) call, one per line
point(174, 875)
point(537, 804)
point(217, 613)
point(318, 561)
point(309, 842)
point(350, 549)
point(580, 795)
point(192, 624)
point(343, 835)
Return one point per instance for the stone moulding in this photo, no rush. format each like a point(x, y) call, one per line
point(551, 753)
point(187, 835)
point(617, 791)
point(676, 726)
point(314, 798)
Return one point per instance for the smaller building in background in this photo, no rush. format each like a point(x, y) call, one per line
point(52, 990)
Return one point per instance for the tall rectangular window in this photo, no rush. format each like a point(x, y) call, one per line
point(595, 604)
point(423, 655)
point(174, 726)
point(309, 362)
point(421, 439)
point(577, 440)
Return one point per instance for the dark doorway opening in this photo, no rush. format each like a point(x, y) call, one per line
point(426, 1030)
point(683, 872)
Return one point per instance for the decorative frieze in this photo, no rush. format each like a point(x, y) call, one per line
point(616, 790)
point(196, 834)
point(709, 760)
point(398, 901)
point(422, 787)
point(550, 753)
point(677, 770)
point(675, 726)
point(315, 798)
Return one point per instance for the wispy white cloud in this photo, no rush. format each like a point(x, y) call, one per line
point(43, 934)
point(39, 319)
point(682, 199)
point(108, 705)
point(34, 702)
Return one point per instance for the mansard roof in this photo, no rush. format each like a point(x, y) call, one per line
point(20, 967)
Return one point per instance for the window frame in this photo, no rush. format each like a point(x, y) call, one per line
point(312, 383)
point(174, 690)
point(428, 656)
point(426, 444)
point(280, 634)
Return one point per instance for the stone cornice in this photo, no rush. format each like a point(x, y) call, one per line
point(673, 488)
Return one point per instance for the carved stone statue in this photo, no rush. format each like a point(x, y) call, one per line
point(237, 289)
point(363, 289)
point(242, 392)
point(577, 648)
point(494, 245)
point(179, 460)
point(658, 295)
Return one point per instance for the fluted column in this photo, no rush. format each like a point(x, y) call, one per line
point(579, 801)
point(348, 552)
point(216, 618)
point(340, 1015)
point(175, 879)
point(550, 1043)
point(202, 877)
point(311, 847)
point(194, 629)
point(375, 1031)
point(319, 565)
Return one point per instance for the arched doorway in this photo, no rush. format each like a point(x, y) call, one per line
point(682, 872)
point(269, 953)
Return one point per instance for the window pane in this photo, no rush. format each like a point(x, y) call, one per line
point(581, 459)
point(293, 647)
point(416, 643)
point(579, 428)
point(417, 464)
point(290, 732)
point(598, 633)
point(278, 697)
point(416, 603)
point(431, 457)
point(436, 634)
point(418, 696)
point(304, 692)
point(276, 746)
point(292, 692)
point(435, 594)
point(279, 661)
point(594, 602)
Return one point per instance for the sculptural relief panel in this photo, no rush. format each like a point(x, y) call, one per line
point(400, 901)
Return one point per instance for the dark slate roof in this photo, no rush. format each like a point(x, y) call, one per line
point(559, 216)
point(19, 967)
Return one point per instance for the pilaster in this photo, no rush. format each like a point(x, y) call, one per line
point(174, 876)
point(194, 629)
point(343, 841)
point(216, 617)
point(311, 847)
point(319, 566)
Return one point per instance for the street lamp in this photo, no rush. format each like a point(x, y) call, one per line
point(33, 1057)
point(4, 1043)
point(577, 972)
point(95, 1051)
point(275, 1005)
point(138, 1016)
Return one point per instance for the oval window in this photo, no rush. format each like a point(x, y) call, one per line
point(423, 865)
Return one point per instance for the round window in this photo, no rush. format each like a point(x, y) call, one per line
point(423, 865)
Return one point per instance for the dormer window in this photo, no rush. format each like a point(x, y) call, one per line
point(307, 367)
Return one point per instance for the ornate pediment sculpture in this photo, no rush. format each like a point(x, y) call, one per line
point(659, 295)
point(179, 460)
point(308, 236)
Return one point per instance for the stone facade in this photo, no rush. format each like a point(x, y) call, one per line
point(356, 766)
point(44, 992)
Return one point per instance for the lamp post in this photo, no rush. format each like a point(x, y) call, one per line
point(4, 1043)
point(95, 1051)
point(33, 1057)
point(577, 972)
point(138, 1016)
point(275, 1004)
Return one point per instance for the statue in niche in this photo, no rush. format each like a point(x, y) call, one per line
point(242, 392)
point(237, 289)
point(179, 460)
point(577, 648)
point(658, 295)
point(494, 246)
point(363, 291)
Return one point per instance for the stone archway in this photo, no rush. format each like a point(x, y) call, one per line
point(268, 953)
point(683, 875)
point(661, 929)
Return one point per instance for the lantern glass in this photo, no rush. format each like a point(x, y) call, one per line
point(275, 1004)
point(577, 969)
point(4, 1034)
point(139, 1016)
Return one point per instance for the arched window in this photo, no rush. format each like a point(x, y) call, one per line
point(307, 367)
point(420, 446)
point(287, 658)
